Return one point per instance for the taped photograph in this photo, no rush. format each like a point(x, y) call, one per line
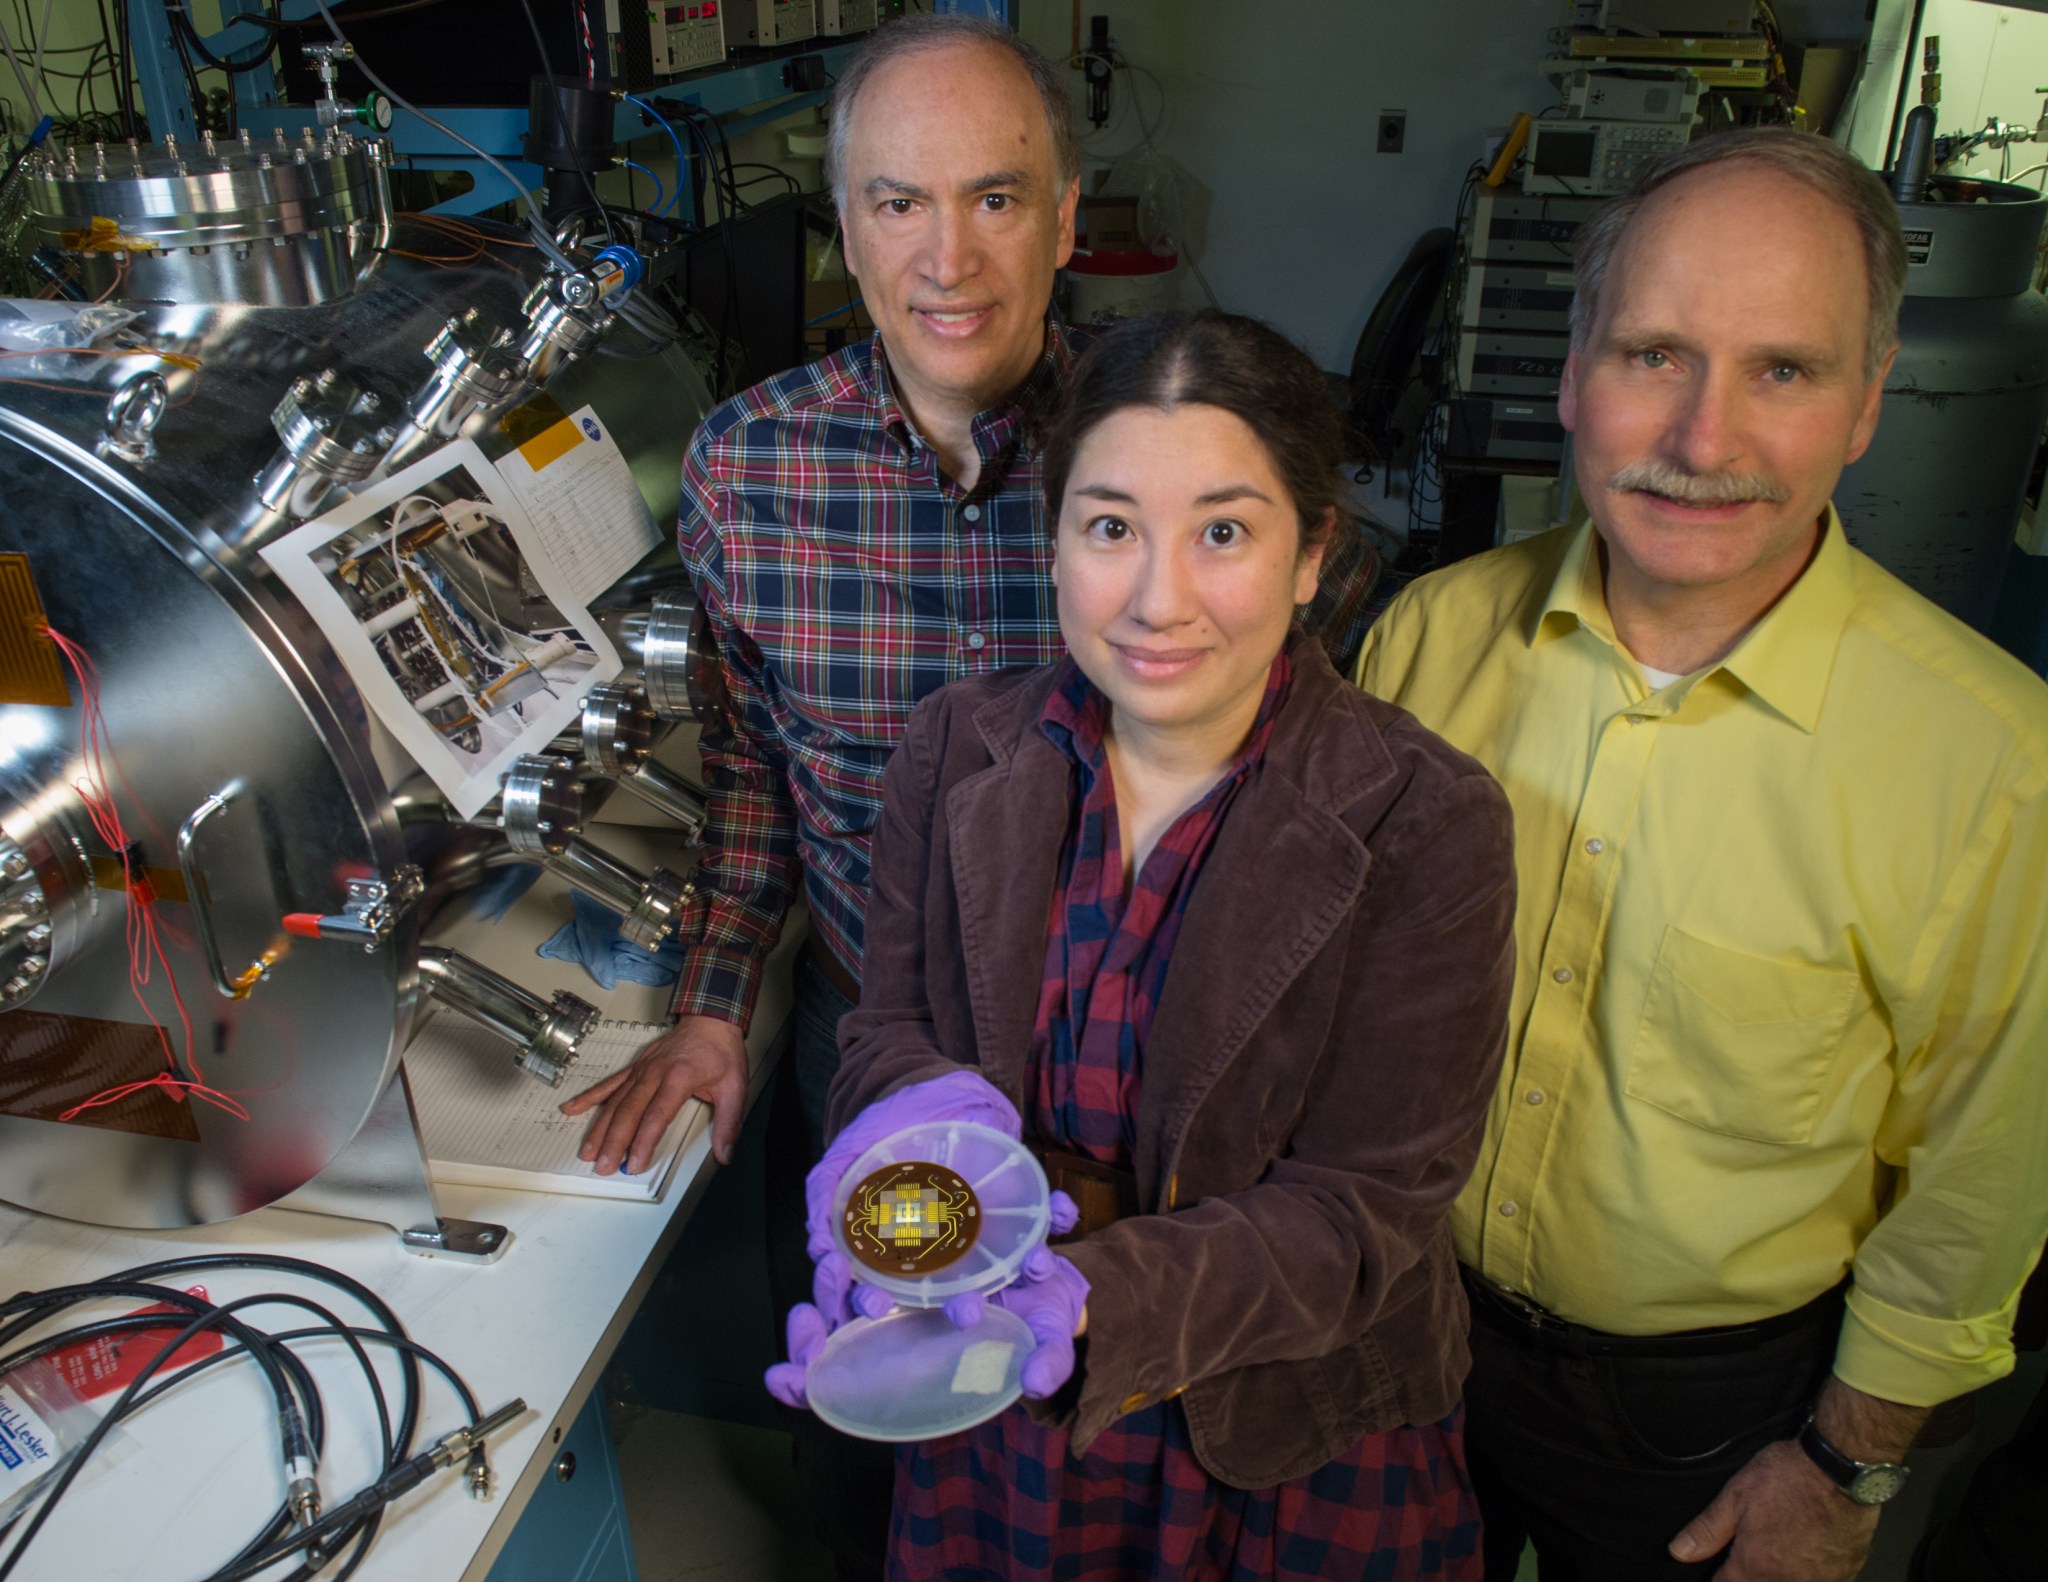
point(447, 610)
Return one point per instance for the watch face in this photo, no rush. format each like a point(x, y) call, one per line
point(1876, 1484)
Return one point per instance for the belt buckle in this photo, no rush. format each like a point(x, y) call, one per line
point(1536, 1317)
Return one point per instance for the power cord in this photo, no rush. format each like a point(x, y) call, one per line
point(298, 1526)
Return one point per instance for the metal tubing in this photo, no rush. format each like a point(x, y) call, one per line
point(547, 1033)
point(671, 794)
point(598, 874)
point(468, 986)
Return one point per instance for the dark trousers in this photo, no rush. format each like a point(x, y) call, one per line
point(1599, 1453)
point(847, 1482)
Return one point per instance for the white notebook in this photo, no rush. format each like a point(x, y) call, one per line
point(487, 1123)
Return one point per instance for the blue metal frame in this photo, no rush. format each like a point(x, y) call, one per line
point(726, 92)
point(165, 98)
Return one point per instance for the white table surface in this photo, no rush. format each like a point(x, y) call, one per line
point(199, 1471)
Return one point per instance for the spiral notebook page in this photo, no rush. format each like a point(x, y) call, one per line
point(487, 1123)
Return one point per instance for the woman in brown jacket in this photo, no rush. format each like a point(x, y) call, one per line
point(1234, 940)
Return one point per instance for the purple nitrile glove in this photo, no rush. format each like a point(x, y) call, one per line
point(807, 1332)
point(1049, 1295)
point(835, 1296)
point(957, 1096)
point(965, 1310)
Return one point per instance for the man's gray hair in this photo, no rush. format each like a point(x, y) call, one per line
point(1826, 167)
point(917, 35)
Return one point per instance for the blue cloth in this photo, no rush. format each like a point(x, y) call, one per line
point(492, 899)
point(592, 937)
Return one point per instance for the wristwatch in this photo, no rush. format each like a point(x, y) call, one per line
point(1865, 1482)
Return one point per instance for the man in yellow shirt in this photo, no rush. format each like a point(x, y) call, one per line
point(1773, 1134)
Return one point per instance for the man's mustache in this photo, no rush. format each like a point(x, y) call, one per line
point(1697, 488)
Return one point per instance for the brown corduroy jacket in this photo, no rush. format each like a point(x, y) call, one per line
point(1326, 1040)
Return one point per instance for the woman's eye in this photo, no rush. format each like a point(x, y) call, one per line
point(1220, 533)
point(1113, 528)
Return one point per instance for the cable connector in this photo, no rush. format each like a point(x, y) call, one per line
point(460, 1443)
point(456, 1445)
point(302, 1494)
point(301, 1471)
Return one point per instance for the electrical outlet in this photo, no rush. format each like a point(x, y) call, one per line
point(1393, 134)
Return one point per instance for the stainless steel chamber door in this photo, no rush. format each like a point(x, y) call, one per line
point(205, 688)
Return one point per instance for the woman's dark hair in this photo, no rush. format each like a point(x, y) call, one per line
point(1234, 364)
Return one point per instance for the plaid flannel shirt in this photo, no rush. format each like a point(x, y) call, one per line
point(845, 577)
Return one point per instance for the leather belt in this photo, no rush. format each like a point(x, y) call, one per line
point(1506, 1313)
point(832, 969)
point(1103, 1193)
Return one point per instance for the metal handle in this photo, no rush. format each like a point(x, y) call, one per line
point(195, 889)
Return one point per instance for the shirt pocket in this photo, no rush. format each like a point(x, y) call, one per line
point(1736, 1043)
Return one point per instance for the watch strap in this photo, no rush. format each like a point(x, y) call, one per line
point(1859, 1480)
point(1841, 1469)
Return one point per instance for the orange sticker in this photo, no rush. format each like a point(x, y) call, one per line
point(31, 670)
point(551, 444)
point(151, 884)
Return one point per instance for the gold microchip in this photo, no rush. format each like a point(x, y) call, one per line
point(30, 669)
point(912, 1218)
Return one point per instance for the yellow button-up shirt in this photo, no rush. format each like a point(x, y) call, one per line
point(1777, 1014)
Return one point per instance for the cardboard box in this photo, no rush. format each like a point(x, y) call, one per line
point(1110, 222)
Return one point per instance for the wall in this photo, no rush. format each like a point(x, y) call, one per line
point(1273, 108)
point(74, 25)
point(1992, 60)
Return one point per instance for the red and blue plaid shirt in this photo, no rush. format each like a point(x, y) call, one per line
point(846, 577)
point(1011, 1498)
point(1106, 952)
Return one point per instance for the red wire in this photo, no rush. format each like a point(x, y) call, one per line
point(175, 1086)
point(140, 928)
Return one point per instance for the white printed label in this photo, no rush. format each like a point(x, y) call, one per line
point(27, 1445)
point(983, 1367)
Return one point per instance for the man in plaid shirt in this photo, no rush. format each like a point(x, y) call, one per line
point(864, 529)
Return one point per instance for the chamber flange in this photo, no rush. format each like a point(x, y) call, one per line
point(280, 223)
